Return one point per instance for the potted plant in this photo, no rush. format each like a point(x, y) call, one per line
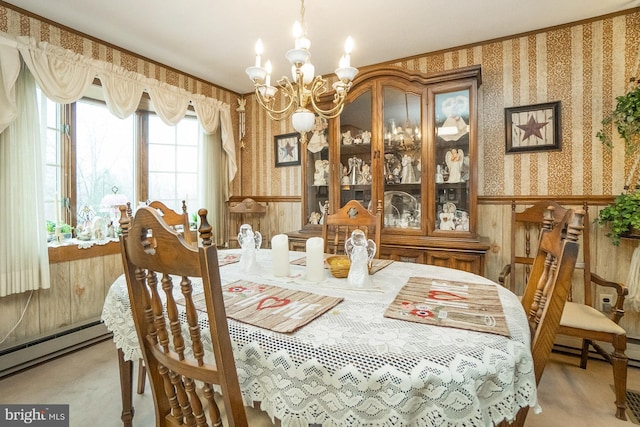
point(625, 118)
point(622, 217)
point(66, 230)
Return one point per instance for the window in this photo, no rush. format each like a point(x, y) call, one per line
point(51, 128)
point(91, 154)
point(104, 147)
point(173, 161)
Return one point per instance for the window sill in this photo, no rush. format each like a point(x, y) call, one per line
point(72, 250)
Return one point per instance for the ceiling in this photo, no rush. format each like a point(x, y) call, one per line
point(214, 40)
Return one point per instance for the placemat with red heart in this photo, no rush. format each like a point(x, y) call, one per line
point(463, 305)
point(224, 259)
point(271, 307)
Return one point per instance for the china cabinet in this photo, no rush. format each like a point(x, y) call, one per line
point(410, 141)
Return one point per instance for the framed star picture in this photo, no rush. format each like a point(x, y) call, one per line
point(532, 127)
point(287, 148)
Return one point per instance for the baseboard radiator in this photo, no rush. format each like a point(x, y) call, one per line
point(25, 355)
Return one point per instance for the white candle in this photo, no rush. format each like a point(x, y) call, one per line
point(315, 259)
point(280, 255)
point(269, 69)
point(259, 50)
point(57, 208)
point(348, 47)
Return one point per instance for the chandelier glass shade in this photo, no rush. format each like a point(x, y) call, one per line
point(299, 97)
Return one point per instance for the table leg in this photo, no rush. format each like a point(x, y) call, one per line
point(126, 384)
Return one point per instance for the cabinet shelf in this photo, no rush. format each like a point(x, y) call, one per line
point(355, 148)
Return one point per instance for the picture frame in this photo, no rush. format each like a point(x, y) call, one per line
point(287, 149)
point(532, 128)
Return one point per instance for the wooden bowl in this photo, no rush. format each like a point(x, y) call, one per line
point(339, 265)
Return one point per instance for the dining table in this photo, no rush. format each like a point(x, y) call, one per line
point(355, 366)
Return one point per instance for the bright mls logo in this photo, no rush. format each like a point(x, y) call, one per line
point(34, 415)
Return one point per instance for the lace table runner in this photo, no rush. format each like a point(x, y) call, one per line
point(461, 305)
point(270, 307)
point(376, 264)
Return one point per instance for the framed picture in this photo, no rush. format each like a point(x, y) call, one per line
point(287, 149)
point(532, 127)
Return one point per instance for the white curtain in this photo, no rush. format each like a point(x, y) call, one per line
point(211, 112)
point(122, 93)
point(24, 260)
point(9, 70)
point(64, 77)
point(214, 183)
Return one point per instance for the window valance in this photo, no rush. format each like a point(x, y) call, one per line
point(64, 76)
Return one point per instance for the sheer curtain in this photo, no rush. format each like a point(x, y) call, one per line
point(24, 261)
point(64, 76)
point(214, 183)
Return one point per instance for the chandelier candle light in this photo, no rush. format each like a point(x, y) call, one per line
point(306, 89)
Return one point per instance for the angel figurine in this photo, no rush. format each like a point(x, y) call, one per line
point(361, 252)
point(318, 140)
point(454, 159)
point(347, 139)
point(355, 164)
point(408, 174)
point(250, 242)
point(320, 175)
point(446, 221)
point(365, 175)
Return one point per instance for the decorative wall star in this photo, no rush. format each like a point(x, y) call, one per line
point(290, 150)
point(532, 128)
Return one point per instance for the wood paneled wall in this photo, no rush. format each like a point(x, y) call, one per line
point(77, 293)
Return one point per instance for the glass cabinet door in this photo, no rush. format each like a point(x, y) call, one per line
point(402, 160)
point(452, 173)
point(356, 169)
point(317, 172)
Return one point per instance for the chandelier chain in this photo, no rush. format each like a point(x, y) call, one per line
point(303, 25)
point(300, 96)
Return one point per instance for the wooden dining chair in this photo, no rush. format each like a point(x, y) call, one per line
point(580, 319)
point(251, 212)
point(175, 219)
point(154, 256)
point(180, 223)
point(337, 227)
point(548, 287)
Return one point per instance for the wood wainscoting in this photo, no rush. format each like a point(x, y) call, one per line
point(283, 214)
point(66, 315)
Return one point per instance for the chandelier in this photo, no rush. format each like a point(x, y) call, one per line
point(302, 93)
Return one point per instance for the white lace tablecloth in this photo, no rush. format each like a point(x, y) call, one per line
point(354, 367)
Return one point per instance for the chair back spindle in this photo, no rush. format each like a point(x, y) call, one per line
point(337, 227)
